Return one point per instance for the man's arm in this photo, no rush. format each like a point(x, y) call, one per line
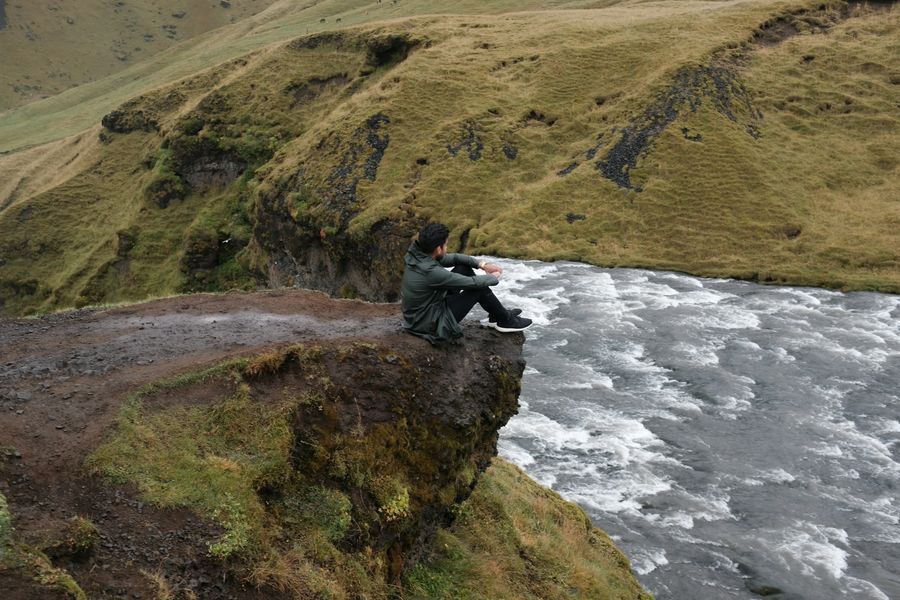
point(440, 278)
point(459, 260)
point(455, 260)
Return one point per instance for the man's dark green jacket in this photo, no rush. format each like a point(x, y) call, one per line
point(424, 289)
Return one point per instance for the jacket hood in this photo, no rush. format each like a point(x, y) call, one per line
point(416, 257)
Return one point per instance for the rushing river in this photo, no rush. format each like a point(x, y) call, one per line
point(734, 439)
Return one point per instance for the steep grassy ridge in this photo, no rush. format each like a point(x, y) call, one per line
point(750, 139)
point(49, 47)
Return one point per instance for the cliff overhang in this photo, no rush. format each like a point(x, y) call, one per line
point(331, 442)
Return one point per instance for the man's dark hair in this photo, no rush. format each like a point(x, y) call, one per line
point(433, 235)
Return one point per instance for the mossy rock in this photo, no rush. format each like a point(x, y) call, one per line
point(165, 189)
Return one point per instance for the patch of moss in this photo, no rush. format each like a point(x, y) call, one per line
point(315, 507)
point(46, 574)
point(165, 189)
point(78, 539)
point(231, 461)
point(30, 562)
point(6, 529)
point(213, 460)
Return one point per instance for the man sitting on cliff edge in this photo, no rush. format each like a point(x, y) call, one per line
point(435, 300)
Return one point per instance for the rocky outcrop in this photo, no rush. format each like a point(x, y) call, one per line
point(325, 419)
point(302, 224)
point(344, 265)
point(717, 85)
point(401, 428)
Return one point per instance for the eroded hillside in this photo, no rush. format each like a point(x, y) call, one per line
point(747, 139)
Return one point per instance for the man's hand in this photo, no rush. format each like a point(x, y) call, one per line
point(492, 269)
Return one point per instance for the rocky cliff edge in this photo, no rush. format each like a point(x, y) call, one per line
point(277, 444)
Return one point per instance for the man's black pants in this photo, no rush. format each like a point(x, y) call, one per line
point(460, 302)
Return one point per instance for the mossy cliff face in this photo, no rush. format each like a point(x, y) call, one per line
point(403, 435)
point(302, 222)
point(327, 466)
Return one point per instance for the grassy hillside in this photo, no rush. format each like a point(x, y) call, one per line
point(77, 109)
point(516, 540)
point(749, 139)
point(49, 47)
point(512, 539)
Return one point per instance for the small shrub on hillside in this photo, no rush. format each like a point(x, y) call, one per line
point(165, 189)
point(77, 540)
point(190, 126)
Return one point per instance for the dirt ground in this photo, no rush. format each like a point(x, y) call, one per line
point(62, 380)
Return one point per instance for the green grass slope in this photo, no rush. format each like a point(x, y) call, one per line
point(748, 139)
point(50, 47)
point(516, 540)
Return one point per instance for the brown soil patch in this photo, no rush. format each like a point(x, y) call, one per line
point(62, 380)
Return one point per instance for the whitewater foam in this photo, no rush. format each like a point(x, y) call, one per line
point(685, 414)
point(814, 549)
point(644, 562)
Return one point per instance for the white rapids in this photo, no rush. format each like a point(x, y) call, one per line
point(734, 439)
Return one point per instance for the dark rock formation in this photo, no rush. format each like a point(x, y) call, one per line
point(302, 255)
point(536, 116)
point(472, 141)
point(302, 226)
point(213, 171)
point(571, 167)
point(715, 84)
point(416, 425)
point(143, 113)
point(389, 50)
point(164, 190)
point(123, 120)
point(361, 161)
